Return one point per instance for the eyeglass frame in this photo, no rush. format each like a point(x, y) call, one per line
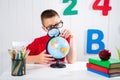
point(51, 26)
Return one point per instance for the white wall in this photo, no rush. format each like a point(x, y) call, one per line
point(114, 27)
point(20, 21)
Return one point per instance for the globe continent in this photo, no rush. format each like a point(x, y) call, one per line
point(58, 47)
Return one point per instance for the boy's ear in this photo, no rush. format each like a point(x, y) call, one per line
point(44, 28)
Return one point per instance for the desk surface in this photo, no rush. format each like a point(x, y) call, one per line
point(76, 71)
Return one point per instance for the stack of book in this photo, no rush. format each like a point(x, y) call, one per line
point(110, 68)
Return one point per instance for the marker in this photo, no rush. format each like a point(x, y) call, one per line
point(21, 55)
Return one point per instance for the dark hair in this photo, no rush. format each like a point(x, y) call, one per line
point(48, 14)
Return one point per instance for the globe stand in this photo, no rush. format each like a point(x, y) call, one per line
point(58, 65)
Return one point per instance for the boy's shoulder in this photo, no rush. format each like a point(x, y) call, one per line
point(42, 38)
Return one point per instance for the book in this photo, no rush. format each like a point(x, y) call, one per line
point(103, 74)
point(103, 69)
point(111, 63)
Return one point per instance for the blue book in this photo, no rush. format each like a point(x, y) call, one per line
point(104, 74)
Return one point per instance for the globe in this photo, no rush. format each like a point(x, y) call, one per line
point(58, 47)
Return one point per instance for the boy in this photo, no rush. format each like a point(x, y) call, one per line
point(37, 48)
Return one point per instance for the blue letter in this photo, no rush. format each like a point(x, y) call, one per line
point(91, 41)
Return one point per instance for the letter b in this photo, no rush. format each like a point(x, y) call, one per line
point(97, 41)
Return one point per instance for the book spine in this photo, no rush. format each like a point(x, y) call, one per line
point(100, 63)
point(100, 73)
point(98, 68)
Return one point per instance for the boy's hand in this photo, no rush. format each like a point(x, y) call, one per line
point(44, 58)
point(66, 33)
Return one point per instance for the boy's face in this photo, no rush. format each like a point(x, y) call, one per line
point(53, 21)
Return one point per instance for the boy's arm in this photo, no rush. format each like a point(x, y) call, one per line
point(71, 57)
point(31, 59)
point(42, 58)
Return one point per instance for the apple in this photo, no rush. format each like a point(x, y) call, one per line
point(104, 54)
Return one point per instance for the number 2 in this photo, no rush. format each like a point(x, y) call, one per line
point(68, 10)
point(105, 8)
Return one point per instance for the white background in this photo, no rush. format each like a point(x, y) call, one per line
point(20, 21)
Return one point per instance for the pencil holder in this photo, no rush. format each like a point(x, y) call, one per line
point(18, 67)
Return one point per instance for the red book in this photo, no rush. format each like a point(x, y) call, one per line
point(103, 69)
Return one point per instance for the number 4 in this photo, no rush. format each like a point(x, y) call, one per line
point(105, 8)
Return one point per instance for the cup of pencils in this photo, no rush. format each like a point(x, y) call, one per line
point(18, 58)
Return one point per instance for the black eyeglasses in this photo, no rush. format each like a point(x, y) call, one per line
point(57, 25)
